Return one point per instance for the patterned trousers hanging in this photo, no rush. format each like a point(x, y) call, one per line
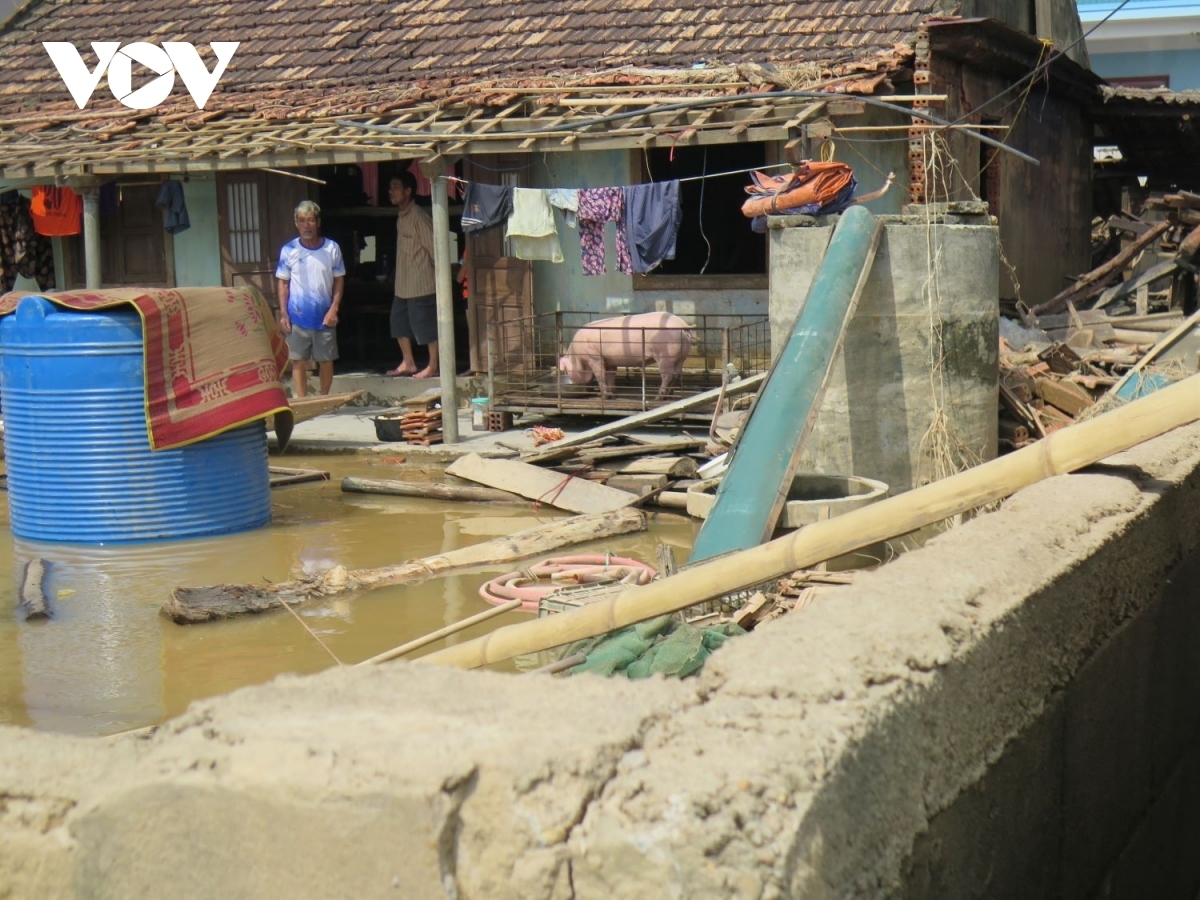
point(598, 207)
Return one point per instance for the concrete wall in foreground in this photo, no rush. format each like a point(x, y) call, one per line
point(1011, 711)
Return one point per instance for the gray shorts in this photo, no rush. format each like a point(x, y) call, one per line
point(312, 343)
point(415, 318)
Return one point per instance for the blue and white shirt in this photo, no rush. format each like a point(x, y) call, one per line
point(309, 274)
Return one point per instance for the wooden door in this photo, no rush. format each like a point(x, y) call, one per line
point(133, 243)
point(500, 287)
point(256, 213)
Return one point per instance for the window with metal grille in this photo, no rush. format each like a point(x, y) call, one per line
point(245, 230)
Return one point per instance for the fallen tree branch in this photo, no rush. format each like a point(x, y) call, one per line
point(222, 601)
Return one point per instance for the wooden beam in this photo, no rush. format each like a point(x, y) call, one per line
point(551, 488)
point(645, 418)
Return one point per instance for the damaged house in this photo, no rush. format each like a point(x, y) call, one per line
point(326, 101)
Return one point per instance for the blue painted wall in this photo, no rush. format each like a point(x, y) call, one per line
point(559, 286)
point(198, 250)
point(1181, 66)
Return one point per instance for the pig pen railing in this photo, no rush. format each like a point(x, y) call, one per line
point(523, 354)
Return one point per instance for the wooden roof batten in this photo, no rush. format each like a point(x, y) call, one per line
point(498, 118)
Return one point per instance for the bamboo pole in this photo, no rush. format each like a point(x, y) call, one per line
point(191, 605)
point(463, 625)
point(1066, 450)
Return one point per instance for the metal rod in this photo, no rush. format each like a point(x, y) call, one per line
point(445, 311)
point(294, 175)
point(561, 665)
point(405, 649)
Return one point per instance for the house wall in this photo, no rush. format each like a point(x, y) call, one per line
point(563, 286)
point(1144, 37)
point(1055, 19)
point(1182, 67)
point(872, 155)
point(198, 250)
point(1044, 210)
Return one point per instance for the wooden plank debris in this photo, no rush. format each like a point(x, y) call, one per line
point(281, 475)
point(551, 488)
point(672, 466)
point(561, 449)
point(637, 484)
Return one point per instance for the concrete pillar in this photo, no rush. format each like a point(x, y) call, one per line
point(91, 235)
point(445, 310)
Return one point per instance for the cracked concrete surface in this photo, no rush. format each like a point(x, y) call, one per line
point(806, 760)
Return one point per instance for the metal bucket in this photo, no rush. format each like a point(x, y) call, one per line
point(811, 499)
point(80, 467)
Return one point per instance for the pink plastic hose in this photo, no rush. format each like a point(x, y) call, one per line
point(544, 578)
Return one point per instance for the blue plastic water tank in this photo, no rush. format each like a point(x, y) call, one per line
point(80, 467)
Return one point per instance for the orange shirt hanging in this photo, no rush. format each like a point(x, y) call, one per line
point(57, 211)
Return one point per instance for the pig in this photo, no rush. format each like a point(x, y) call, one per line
point(599, 347)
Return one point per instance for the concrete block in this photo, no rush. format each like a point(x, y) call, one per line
point(1175, 675)
point(1106, 785)
point(882, 396)
point(246, 843)
point(1159, 861)
point(1185, 868)
point(1001, 837)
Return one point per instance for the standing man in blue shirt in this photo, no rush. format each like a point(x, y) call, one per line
point(311, 277)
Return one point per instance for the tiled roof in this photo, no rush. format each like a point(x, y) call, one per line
point(361, 42)
point(311, 60)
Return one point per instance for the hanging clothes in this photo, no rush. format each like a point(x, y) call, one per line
point(485, 206)
point(652, 217)
point(110, 198)
point(532, 231)
point(170, 198)
point(57, 211)
point(566, 199)
point(370, 181)
point(598, 206)
point(424, 185)
point(23, 251)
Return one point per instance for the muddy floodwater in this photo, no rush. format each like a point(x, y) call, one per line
point(108, 662)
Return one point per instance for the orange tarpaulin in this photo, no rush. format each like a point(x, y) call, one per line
point(811, 184)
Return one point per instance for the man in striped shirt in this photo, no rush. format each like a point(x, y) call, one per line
point(414, 305)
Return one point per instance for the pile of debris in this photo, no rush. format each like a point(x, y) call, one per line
point(1177, 236)
point(1068, 361)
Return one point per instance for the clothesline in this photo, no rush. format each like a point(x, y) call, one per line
point(681, 180)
